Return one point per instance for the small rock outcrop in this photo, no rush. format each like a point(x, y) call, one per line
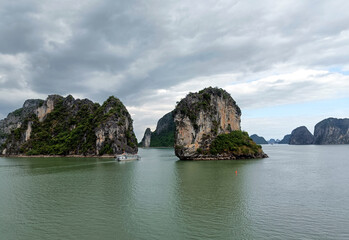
point(204, 121)
point(286, 139)
point(301, 136)
point(65, 126)
point(146, 139)
point(257, 139)
point(163, 136)
point(332, 131)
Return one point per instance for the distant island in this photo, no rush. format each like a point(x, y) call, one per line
point(328, 131)
point(67, 126)
point(257, 139)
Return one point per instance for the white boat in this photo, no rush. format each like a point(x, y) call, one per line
point(127, 157)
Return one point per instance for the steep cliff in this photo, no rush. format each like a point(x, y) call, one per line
point(257, 139)
point(65, 126)
point(301, 136)
point(14, 119)
point(332, 131)
point(211, 117)
point(146, 139)
point(286, 139)
point(163, 136)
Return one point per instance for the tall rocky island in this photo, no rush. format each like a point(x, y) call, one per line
point(332, 131)
point(301, 136)
point(207, 127)
point(68, 126)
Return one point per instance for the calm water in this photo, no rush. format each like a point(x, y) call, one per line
point(300, 192)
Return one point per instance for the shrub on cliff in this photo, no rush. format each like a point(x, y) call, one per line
point(236, 142)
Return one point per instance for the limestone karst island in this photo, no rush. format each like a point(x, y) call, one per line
point(65, 126)
point(203, 126)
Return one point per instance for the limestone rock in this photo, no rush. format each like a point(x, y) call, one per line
point(115, 131)
point(301, 136)
point(200, 118)
point(332, 131)
point(146, 138)
point(14, 119)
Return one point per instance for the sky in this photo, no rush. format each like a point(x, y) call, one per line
point(285, 63)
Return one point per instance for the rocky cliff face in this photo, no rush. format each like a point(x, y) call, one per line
point(163, 136)
point(146, 139)
point(65, 126)
point(301, 136)
point(114, 131)
point(165, 124)
point(257, 139)
point(332, 131)
point(14, 119)
point(200, 118)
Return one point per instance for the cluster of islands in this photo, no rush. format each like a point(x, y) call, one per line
point(203, 126)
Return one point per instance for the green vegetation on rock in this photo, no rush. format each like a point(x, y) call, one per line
point(165, 139)
point(71, 128)
point(63, 133)
point(236, 143)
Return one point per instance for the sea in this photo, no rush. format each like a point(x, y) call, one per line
point(299, 192)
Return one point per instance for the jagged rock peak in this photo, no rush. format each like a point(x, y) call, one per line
point(32, 103)
point(15, 118)
point(332, 131)
point(301, 136)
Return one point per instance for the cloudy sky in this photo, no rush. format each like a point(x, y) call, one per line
point(286, 63)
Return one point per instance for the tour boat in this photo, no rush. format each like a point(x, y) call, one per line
point(127, 157)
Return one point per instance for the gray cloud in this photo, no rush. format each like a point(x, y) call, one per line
point(131, 49)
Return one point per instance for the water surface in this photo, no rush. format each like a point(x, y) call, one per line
point(300, 192)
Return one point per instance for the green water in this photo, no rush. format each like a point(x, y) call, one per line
point(300, 192)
